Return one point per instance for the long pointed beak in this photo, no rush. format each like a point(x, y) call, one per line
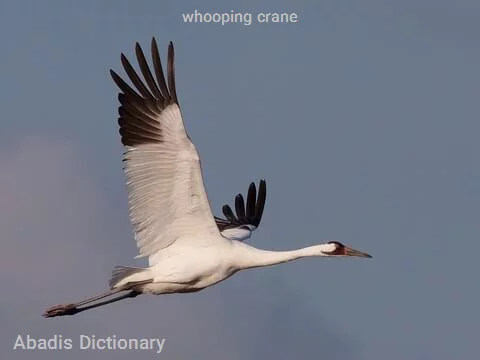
point(353, 252)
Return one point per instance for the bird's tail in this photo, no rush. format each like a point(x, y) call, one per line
point(121, 273)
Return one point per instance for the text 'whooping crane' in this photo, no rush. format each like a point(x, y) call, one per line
point(233, 17)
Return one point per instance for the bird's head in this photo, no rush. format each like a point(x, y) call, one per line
point(336, 248)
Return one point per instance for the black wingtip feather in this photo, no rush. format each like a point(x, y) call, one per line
point(147, 74)
point(254, 208)
point(240, 207)
point(143, 103)
point(227, 211)
point(260, 205)
point(158, 68)
point(251, 201)
point(171, 72)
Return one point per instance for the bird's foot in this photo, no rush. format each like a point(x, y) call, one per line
point(59, 310)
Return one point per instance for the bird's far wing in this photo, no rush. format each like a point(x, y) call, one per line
point(167, 198)
point(241, 226)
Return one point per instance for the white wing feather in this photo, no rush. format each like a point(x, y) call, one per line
point(167, 199)
point(238, 233)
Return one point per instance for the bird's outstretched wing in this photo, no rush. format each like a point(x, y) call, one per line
point(167, 198)
point(241, 226)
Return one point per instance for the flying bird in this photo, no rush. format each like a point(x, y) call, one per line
point(188, 249)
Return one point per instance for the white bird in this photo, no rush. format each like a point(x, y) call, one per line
point(188, 249)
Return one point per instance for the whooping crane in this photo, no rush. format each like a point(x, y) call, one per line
point(188, 249)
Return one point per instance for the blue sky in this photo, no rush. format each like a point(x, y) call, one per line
point(363, 119)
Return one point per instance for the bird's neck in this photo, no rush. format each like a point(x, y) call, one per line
point(248, 257)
